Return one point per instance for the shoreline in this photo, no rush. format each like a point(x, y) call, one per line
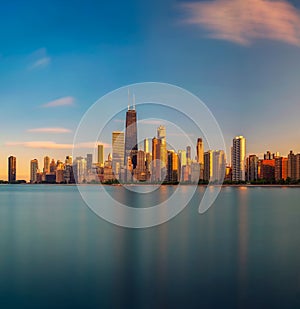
point(159, 185)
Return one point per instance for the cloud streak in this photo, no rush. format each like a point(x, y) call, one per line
point(41, 145)
point(54, 145)
point(39, 59)
point(41, 63)
point(50, 130)
point(151, 122)
point(244, 21)
point(65, 101)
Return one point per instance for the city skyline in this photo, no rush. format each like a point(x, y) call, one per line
point(245, 77)
point(244, 166)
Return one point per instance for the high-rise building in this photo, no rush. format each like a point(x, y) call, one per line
point(100, 155)
point(156, 161)
point(252, 168)
point(200, 151)
point(182, 157)
point(297, 166)
point(161, 135)
point(131, 146)
point(12, 169)
point(292, 166)
point(238, 159)
point(34, 167)
point(172, 170)
point(281, 168)
point(117, 149)
point(148, 161)
point(161, 132)
point(219, 166)
point(140, 173)
point(181, 164)
point(208, 165)
point(46, 169)
point(69, 173)
point(146, 145)
point(60, 175)
point(200, 156)
point(80, 170)
point(268, 170)
point(214, 166)
point(89, 162)
point(52, 167)
point(188, 155)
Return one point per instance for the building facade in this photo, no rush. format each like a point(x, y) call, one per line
point(238, 159)
point(131, 146)
point(12, 169)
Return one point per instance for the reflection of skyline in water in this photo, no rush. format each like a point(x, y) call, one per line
point(243, 252)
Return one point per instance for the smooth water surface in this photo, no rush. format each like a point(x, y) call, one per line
point(56, 253)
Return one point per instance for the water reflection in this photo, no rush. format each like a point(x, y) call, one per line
point(243, 252)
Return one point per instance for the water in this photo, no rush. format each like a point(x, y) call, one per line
point(243, 253)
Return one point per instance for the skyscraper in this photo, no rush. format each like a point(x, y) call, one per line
point(292, 166)
point(156, 163)
point(89, 162)
point(52, 167)
point(214, 166)
point(200, 156)
point(146, 145)
point(140, 172)
point(161, 135)
point(200, 151)
point(181, 164)
point(172, 171)
point(238, 159)
point(188, 155)
point(46, 165)
point(281, 168)
point(12, 161)
point(118, 147)
point(34, 167)
point(161, 132)
point(219, 166)
point(131, 147)
point(100, 155)
point(80, 170)
point(208, 165)
point(252, 168)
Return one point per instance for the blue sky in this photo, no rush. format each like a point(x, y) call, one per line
point(76, 52)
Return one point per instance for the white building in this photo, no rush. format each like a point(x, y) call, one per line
point(238, 159)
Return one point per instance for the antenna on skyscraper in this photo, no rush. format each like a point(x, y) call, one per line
point(128, 99)
point(134, 101)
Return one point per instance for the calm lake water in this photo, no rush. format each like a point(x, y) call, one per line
point(56, 253)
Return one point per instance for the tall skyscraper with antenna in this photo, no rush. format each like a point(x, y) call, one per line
point(131, 147)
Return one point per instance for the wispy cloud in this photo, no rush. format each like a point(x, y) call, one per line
point(54, 145)
point(41, 63)
point(151, 122)
point(41, 145)
point(49, 130)
point(40, 59)
point(243, 21)
point(65, 101)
